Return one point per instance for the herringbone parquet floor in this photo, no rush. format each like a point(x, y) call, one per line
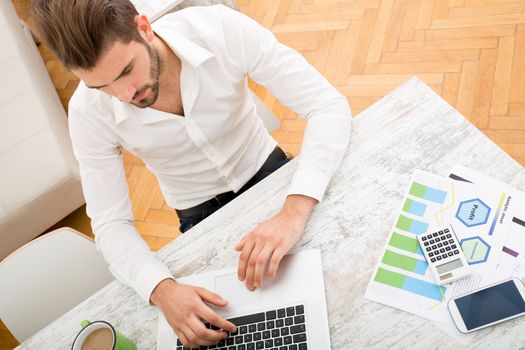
point(471, 52)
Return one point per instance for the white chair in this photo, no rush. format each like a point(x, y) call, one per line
point(156, 10)
point(47, 277)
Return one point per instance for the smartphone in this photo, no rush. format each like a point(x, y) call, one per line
point(488, 306)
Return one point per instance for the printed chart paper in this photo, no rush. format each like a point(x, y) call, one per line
point(402, 278)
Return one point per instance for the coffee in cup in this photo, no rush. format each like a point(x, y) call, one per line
point(100, 335)
point(99, 339)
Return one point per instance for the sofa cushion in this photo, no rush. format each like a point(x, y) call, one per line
point(20, 118)
point(39, 180)
point(8, 16)
point(36, 165)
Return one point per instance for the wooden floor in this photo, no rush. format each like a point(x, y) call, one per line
point(471, 52)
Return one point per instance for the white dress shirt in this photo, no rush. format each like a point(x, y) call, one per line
point(217, 146)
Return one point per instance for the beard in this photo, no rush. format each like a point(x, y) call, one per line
point(155, 69)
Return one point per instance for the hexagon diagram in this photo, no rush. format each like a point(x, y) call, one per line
point(476, 250)
point(473, 212)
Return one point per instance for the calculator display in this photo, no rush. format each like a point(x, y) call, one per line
point(444, 268)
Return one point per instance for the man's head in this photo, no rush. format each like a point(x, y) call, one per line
point(106, 43)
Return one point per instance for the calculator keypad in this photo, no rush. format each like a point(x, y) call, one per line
point(439, 245)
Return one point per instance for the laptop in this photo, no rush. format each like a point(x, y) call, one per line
point(287, 313)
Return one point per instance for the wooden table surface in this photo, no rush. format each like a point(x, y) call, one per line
point(411, 128)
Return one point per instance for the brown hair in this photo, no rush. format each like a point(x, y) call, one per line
point(78, 31)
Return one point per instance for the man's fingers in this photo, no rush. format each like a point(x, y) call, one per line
point(187, 336)
point(250, 269)
point(260, 265)
point(277, 256)
point(194, 333)
point(185, 313)
point(209, 315)
point(239, 246)
point(200, 335)
point(211, 297)
point(213, 318)
point(243, 259)
point(182, 338)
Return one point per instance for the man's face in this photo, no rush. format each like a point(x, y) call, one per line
point(129, 72)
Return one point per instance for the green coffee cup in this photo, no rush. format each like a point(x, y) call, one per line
point(100, 335)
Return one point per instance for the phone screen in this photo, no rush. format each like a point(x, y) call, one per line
point(490, 305)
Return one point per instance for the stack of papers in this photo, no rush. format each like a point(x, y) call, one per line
point(488, 218)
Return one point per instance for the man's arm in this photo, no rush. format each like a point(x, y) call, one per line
point(291, 79)
point(130, 259)
point(106, 192)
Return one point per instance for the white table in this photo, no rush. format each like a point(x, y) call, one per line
point(410, 128)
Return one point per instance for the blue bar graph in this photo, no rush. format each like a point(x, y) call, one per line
point(410, 284)
point(418, 227)
point(411, 225)
point(428, 193)
point(421, 267)
point(414, 207)
point(423, 288)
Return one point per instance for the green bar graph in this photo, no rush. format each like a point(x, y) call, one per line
point(428, 193)
point(404, 262)
point(390, 278)
point(407, 205)
point(410, 284)
point(397, 260)
point(418, 190)
point(410, 225)
point(404, 223)
point(404, 243)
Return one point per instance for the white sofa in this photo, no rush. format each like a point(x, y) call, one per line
point(39, 180)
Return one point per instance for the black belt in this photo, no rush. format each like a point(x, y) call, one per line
point(276, 156)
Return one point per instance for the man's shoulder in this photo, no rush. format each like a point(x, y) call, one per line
point(197, 20)
point(90, 117)
point(213, 28)
point(88, 101)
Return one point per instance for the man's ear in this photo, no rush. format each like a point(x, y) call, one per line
point(144, 28)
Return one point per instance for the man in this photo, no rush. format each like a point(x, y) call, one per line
point(175, 95)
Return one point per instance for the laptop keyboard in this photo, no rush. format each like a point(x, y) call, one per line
point(282, 329)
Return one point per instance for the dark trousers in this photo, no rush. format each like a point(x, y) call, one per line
point(192, 216)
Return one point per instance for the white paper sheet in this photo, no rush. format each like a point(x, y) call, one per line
point(511, 261)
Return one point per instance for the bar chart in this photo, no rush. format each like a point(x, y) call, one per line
point(411, 225)
point(409, 284)
point(403, 259)
point(426, 192)
point(405, 262)
point(405, 243)
point(414, 207)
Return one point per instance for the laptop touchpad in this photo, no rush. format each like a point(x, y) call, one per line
point(230, 288)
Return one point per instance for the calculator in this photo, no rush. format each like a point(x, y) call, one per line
point(444, 255)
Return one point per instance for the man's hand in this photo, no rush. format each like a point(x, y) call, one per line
point(271, 240)
point(185, 310)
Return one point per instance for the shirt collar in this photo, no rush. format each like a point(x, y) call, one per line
point(178, 39)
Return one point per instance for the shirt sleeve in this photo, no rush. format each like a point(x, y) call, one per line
point(106, 192)
point(290, 78)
